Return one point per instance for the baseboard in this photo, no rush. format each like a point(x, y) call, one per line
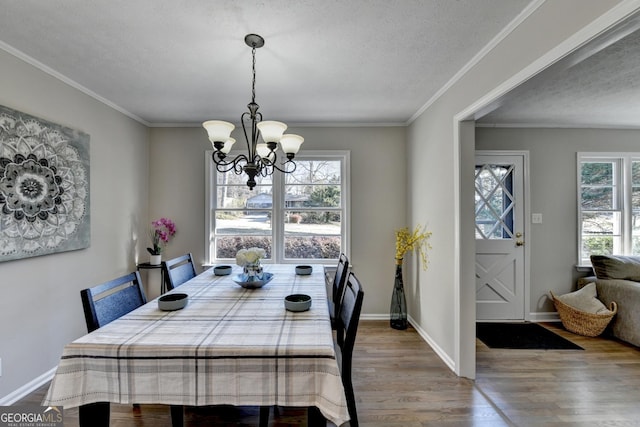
point(438, 350)
point(423, 334)
point(28, 388)
point(374, 316)
point(544, 316)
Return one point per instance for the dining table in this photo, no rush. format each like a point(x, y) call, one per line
point(229, 345)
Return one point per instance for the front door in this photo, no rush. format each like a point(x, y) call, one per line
point(500, 236)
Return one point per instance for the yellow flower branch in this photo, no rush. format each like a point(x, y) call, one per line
point(410, 241)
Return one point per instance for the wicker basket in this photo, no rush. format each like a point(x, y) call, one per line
point(581, 322)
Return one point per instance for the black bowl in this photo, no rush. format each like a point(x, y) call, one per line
point(222, 270)
point(304, 270)
point(171, 302)
point(297, 302)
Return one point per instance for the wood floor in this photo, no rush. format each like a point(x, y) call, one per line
point(400, 382)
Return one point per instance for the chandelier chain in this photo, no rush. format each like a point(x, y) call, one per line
point(253, 86)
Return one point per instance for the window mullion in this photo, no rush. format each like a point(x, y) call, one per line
point(209, 206)
point(626, 208)
point(277, 213)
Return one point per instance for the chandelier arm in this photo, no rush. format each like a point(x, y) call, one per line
point(253, 152)
point(237, 167)
point(220, 163)
point(268, 162)
point(265, 169)
point(227, 166)
point(285, 169)
point(244, 129)
point(272, 164)
point(223, 162)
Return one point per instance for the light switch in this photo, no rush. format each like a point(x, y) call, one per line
point(536, 218)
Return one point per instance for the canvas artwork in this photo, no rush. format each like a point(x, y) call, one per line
point(44, 187)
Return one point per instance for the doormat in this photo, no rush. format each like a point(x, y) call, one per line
point(522, 336)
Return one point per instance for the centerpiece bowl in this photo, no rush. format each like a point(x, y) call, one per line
point(252, 282)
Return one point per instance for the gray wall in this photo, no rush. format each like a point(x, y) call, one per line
point(553, 168)
point(40, 308)
point(378, 195)
point(440, 191)
point(399, 177)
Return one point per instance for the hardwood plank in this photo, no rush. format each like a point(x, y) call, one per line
point(597, 386)
point(400, 382)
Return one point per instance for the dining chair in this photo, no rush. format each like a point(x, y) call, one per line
point(337, 288)
point(178, 270)
point(347, 327)
point(347, 320)
point(110, 300)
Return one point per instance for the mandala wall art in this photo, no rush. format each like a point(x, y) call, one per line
point(44, 187)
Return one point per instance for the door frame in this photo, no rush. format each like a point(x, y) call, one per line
point(463, 149)
point(526, 225)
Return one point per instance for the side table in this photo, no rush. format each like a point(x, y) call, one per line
point(148, 266)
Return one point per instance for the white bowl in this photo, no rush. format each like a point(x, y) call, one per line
point(297, 302)
point(171, 302)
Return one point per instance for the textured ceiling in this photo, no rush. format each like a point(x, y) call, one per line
point(596, 86)
point(325, 61)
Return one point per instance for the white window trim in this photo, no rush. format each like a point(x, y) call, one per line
point(623, 195)
point(277, 223)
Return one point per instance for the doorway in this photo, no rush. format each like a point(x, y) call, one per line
point(501, 201)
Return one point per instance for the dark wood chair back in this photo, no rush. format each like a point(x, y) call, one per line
point(337, 288)
point(347, 328)
point(178, 270)
point(108, 301)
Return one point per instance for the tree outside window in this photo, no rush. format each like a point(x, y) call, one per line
point(297, 216)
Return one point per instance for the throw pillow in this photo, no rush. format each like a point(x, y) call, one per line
point(584, 299)
point(616, 267)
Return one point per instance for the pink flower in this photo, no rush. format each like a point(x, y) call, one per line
point(161, 232)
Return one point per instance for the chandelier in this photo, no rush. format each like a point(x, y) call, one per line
point(261, 158)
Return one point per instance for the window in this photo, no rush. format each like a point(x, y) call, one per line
point(494, 202)
point(302, 216)
point(608, 204)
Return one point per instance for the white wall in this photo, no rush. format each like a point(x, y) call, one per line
point(378, 195)
point(553, 168)
point(40, 307)
point(436, 193)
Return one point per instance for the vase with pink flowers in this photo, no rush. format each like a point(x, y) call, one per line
point(161, 231)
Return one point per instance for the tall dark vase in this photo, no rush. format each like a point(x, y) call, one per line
point(398, 312)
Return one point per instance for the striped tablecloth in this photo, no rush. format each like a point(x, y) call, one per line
point(229, 345)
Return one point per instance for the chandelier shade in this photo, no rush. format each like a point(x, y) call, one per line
point(271, 131)
point(227, 145)
point(263, 150)
point(291, 144)
point(218, 130)
point(261, 158)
